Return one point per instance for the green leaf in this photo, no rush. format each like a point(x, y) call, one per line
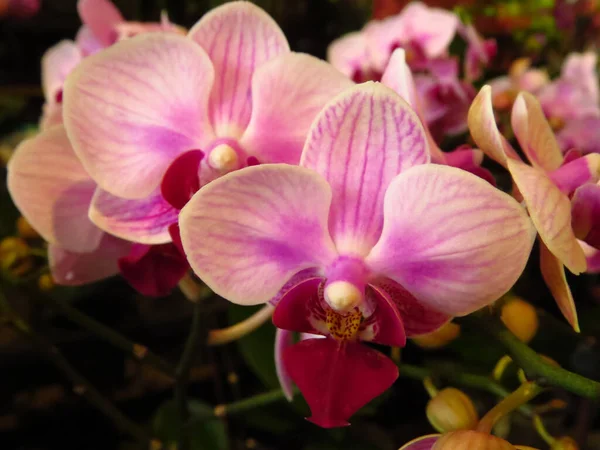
point(207, 434)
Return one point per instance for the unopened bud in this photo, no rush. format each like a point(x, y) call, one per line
point(520, 318)
point(471, 440)
point(438, 338)
point(25, 229)
point(45, 282)
point(451, 410)
point(14, 256)
point(564, 443)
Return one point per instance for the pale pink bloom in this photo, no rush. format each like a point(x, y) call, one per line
point(479, 54)
point(364, 241)
point(545, 185)
point(521, 77)
point(155, 117)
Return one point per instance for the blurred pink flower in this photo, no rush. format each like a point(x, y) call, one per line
point(23, 9)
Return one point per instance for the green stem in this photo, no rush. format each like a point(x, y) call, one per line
point(182, 373)
point(534, 366)
point(138, 351)
point(239, 407)
point(81, 385)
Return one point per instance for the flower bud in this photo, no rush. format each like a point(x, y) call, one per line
point(45, 282)
point(451, 410)
point(25, 229)
point(520, 318)
point(471, 440)
point(438, 338)
point(564, 443)
point(14, 256)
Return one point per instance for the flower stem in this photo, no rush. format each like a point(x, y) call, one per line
point(534, 366)
point(81, 385)
point(193, 291)
point(241, 329)
point(138, 351)
point(522, 395)
point(182, 374)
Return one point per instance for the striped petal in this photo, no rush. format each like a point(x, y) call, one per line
point(238, 38)
point(132, 109)
point(287, 94)
point(53, 191)
point(553, 272)
point(359, 143)
point(550, 211)
point(247, 233)
point(451, 239)
point(144, 221)
point(534, 133)
point(74, 269)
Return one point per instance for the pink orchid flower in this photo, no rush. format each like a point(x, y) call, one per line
point(398, 77)
point(480, 52)
point(521, 77)
point(581, 134)
point(361, 242)
point(56, 204)
point(103, 25)
point(545, 186)
point(574, 95)
point(585, 209)
point(150, 134)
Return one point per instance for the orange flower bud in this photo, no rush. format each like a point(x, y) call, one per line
point(520, 318)
point(438, 338)
point(471, 440)
point(45, 282)
point(25, 229)
point(564, 443)
point(451, 410)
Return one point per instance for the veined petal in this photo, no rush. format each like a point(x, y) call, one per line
point(553, 272)
point(102, 17)
point(287, 94)
point(57, 63)
point(451, 239)
point(283, 340)
point(238, 38)
point(550, 211)
point(332, 377)
point(417, 318)
point(422, 443)
point(145, 221)
point(483, 128)
point(247, 233)
point(585, 211)
point(153, 270)
point(132, 109)
point(74, 269)
point(534, 133)
point(53, 191)
point(359, 142)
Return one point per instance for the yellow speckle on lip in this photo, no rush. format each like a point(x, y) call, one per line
point(343, 326)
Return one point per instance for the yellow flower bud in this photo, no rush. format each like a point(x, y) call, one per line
point(438, 338)
point(45, 282)
point(520, 318)
point(564, 443)
point(451, 410)
point(471, 440)
point(25, 229)
point(14, 256)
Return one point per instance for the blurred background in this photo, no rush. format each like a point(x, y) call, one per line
point(39, 409)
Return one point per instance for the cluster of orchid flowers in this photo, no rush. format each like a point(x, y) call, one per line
point(279, 180)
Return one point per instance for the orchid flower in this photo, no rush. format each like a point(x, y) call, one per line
point(398, 77)
point(521, 77)
point(56, 203)
point(103, 25)
point(479, 54)
point(150, 133)
point(585, 209)
point(364, 241)
point(545, 186)
point(581, 134)
point(574, 95)
point(21, 9)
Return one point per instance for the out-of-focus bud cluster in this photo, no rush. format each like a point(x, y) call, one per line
point(521, 318)
point(15, 258)
point(439, 338)
point(451, 410)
